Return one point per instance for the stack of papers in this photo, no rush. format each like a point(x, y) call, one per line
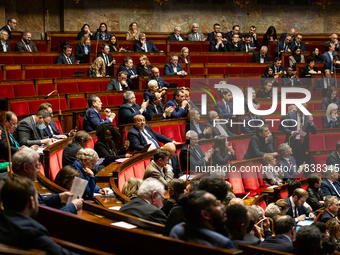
point(123, 224)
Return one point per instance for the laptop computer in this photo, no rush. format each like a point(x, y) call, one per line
point(173, 85)
point(146, 148)
point(79, 74)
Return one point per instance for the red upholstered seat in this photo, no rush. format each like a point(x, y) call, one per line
point(139, 169)
point(156, 129)
point(318, 121)
point(60, 152)
point(24, 60)
point(20, 108)
point(1, 75)
point(320, 160)
point(67, 87)
point(55, 104)
point(197, 70)
point(160, 46)
point(331, 140)
point(90, 144)
point(24, 90)
point(182, 128)
point(121, 180)
point(43, 60)
point(52, 73)
point(147, 162)
point(129, 173)
point(139, 98)
point(240, 148)
point(88, 86)
point(236, 59)
point(310, 107)
point(239, 82)
point(233, 70)
point(45, 88)
point(104, 101)
point(235, 179)
point(83, 70)
point(158, 59)
point(205, 148)
point(217, 59)
point(34, 74)
point(199, 59)
point(103, 85)
point(317, 142)
point(7, 60)
point(284, 194)
point(216, 70)
point(41, 47)
point(255, 82)
point(13, 74)
point(54, 166)
point(81, 123)
point(57, 123)
point(317, 106)
point(66, 73)
point(76, 103)
point(7, 91)
point(172, 131)
point(263, 205)
point(115, 100)
point(317, 93)
point(41, 169)
point(280, 140)
point(34, 105)
point(251, 70)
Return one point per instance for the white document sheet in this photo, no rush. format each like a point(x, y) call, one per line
point(77, 189)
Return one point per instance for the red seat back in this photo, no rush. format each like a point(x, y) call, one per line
point(24, 90)
point(54, 166)
point(317, 142)
point(45, 88)
point(139, 169)
point(20, 108)
point(240, 148)
point(51, 73)
point(76, 103)
point(13, 75)
point(331, 140)
point(55, 104)
point(235, 179)
point(88, 86)
point(34, 105)
point(7, 91)
point(172, 131)
point(34, 74)
point(67, 87)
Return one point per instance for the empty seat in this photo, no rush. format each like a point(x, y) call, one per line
point(54, 166)
point(320, 160)
point(34, 74)
point(51, 73)
point(7, 91)
point(77, 103)
point(23, 60)
point(331, 140)
point(103, 85)
point(88, 86)
point(55, 104)
point(199, 59)
point(139, 169)
point(20, 108)
point(7, 60)
point(41, 60)
point(67, 73)
point(240, 148)
point(235, 179)
point(317, 142)
point(14, 74)
point(172, 131)
point(24, 90)
point(115, 100)
point(217, 59)
point(45, 88)
point(104, 101)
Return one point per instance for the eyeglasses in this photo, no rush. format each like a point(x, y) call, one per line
point(160, 195)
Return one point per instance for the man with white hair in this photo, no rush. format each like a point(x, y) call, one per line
point(261, 57)
point(129, 109)
point(272, 210)
point(331, 209)
point(195, 154)
point(173, 159)
point(143, 45)
point(152, 86)
point(148, 203)
point(334, 40)
point(288, 162)
point(195, 35)
point(330, 185)
point(176, 36)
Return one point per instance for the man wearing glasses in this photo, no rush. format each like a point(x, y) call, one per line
point(11, 24)
point(129, 109)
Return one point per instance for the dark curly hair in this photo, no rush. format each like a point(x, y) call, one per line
point(100, 132)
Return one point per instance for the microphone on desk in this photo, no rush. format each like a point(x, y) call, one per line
point(45, 97)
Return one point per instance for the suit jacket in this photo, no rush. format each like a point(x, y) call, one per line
point(246, 129)
point(192, 37)
point(80, 52)
point(4, 148)
point(305, 72)
point(161, 82)
point(27, 133)
point(7, 47)
point(141, 71)
point(315, 195)
point(333, 159)
point(306, 128)
point(257, 147)
point(81, 34)
point(212, 46)
point(175, 166)
point(55, 202)
point(93, 119)
point(105, 152)
point(253, 43)
point(329, 65)
point(218, 159)
point(278, 243)
point(114, 85)
point(326, 216)
point(61, 59)
point(169, 70)
point(320, 83)
point(21, 46)
point(211, 36)
point(182, 60)
point(150, 47)
point(91, 73)
point(6, 28)
point(286, 81)
point(301, 209)
point(26, 233)
point(54, 128)
point(257, 56)
point(282, 46)
point(328, 189)
point(302, 45)
point(289, 170)
point(151, 111)
point(191, 126)
point(70, 153)
point(222, 109)
point(179, 112)
point(131, 72)
point(194, 159)
point(140, 208)
point(232, 48)
point(153, 171)
point(137, 140)
point(102, 37)
point(127, 112)
point(327, 101)
point(325, 58)
point(173, 37)
point(229, 36)
point(217, 132)
point(281, 68)
point(283, 36)
point(331, 124)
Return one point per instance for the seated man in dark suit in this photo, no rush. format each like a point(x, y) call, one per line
point(173, 159)
point(328, 55)
point(283, 46)
point(131, 71)
point(234, 31)
point(331, 209)
point(253, 37)
point(129, 109)
point(296, 207)
point(93, 118)
point(66, 57)
point(325, 82)
point(291, 78)
point(335, 63)
point(261, 57)
point(334, 157)
point(79, 141)
point(330, 185)
point(174, 68)
point(155, 106)
point(108, 58)
point(143, 45)
point(260, 143)
point(335, 41)
point(181, 105)
point(251, 121)
point(26, 163)
point(298, 42)
point(291, 32)
point(211, 36)
point(30, 130)
point(198, 228)
point(196, 157)
point(17, 228)
point(140, 135)
point(277, 66)
point(26, 45)
point(176, 36)
point(284, 228)
point(246, 45)
point(119, 83)
point(51, 130)
point(226, 108)
point(235, 45)
point(217, 45)
point(11, 24)
point(298, 142)
point(288, 162)
point(148, 203)
point(162, 84)
point(218, 129)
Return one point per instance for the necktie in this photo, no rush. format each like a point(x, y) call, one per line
point(301, 127)
point(151, 139)
point(132, 72)
point(247, 47)
point(106, 60)
point(17, 145)
point(48, 131)
point(68, 60)
point(227, 108)
point(328, 83)
point(292, 165)
point(198, 154)
point(296, 212)
point(196, 37)
point(133, 109)
point(28, 48)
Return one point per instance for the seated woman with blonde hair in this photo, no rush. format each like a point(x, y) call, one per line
point(331, 119)
point(131, 186)
point(272, 175)
point(184, 56)
point(97, 69)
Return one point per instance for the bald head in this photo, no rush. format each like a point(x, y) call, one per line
point(155, 72)
point(171, 148)
point(292, 31)
point(236, 201)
